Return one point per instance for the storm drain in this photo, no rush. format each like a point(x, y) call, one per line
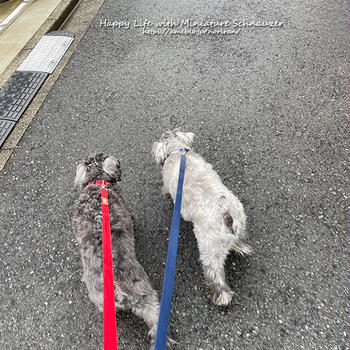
point(20, 89)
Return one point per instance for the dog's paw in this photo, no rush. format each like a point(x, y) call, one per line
point(223, 297)
point(169, 343)
point(165, 193)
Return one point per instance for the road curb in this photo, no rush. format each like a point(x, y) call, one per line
point(54, 22)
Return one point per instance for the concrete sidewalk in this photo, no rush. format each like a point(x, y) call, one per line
point(270, 111)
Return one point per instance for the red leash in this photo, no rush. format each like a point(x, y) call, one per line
point(109, 320)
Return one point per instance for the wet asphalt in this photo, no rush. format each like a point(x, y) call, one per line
point(269, 110)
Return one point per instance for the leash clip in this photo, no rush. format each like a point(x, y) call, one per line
point(101, 183)
point(183, 151)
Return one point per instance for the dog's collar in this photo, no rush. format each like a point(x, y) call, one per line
point(98, 183)
point(178, 151)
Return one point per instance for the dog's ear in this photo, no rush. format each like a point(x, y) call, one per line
point(159, 152)
point(190, 137)
point(187, 137)
point(80, 175)
point(111, 166)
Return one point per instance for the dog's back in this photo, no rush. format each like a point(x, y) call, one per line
point(87, 215)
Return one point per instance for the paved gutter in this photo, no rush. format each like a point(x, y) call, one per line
point(78, 24)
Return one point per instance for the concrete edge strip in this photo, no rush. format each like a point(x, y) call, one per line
point(23, 85)
point(59, 17)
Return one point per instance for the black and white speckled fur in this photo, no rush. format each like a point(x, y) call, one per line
point(132, 287)
point(216, 213)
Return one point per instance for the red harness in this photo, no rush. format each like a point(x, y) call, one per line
point(109, 319)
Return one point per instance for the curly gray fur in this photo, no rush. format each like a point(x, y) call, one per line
point(132, 287)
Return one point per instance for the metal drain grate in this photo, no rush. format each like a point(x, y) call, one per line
point(17, 93)
point(5, 128)
point(23, 85)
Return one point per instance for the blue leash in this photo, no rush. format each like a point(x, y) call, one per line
point(168, 282)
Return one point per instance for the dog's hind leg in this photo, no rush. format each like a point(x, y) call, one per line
point(146, 306)
point(92, 276)
point(213, 252)
point(143, 301)
point(94, 284)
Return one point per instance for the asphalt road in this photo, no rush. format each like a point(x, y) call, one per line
point(269, 109)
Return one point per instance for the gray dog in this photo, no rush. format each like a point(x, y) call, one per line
point(133, 290)
point(216, 213)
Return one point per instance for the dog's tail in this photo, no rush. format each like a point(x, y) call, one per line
point(233, 220)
